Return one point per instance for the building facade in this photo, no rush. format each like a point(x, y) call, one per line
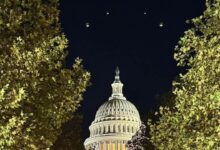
point(116, 121)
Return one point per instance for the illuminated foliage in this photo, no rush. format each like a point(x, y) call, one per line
point(37, 93)
point(194, 122)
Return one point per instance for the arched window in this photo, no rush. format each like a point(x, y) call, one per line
point(109, 129)
point(124, 128)
point(104, 131)
point(119, 128)
point(100, 130)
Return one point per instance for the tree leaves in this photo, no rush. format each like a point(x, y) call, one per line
point(195, 123)
point(37, 93)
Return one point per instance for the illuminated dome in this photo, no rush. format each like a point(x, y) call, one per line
point(116, 121)
point(117, 109)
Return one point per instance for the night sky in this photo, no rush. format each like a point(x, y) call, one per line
point(139, 37)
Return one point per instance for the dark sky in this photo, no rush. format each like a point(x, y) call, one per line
point(130, 37)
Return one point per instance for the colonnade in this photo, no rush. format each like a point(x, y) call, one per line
point(113, 128)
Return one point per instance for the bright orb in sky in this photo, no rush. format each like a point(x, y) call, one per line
point(107, 12)
point(87, 24)
point(161, 24)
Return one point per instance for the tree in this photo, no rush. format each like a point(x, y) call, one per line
point(71, 137)
point(37, 93)
point(165, 100)
point(139, 140)
point(194, 122)
point(94, 147)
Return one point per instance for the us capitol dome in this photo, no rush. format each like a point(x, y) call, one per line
point(116, 121)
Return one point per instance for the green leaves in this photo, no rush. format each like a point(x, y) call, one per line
point(195, 122)
point(37, 93)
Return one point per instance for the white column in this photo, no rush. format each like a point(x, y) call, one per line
point(111, 128)
point(107, 128)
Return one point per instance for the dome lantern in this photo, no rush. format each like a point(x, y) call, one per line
point(117, 87)
point(117, 75)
